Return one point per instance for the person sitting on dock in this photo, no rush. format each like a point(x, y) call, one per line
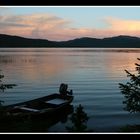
point(63, 90)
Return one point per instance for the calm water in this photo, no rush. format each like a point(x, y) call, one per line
point(93, 74)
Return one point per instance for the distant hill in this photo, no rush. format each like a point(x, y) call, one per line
point(16, 41)
point(112, 42)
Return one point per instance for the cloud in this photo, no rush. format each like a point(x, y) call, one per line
point(114, 27)
point(123, 25)
point(52, 27)
point(5, 25)
point(34, 25)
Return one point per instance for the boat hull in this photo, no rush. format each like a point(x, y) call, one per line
point(41, 107)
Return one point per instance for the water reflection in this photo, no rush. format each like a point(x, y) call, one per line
point(116, 63)
point(35, 63)
point(93, 75)
point(33, 67)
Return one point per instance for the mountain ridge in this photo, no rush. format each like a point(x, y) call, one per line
point(121, 41)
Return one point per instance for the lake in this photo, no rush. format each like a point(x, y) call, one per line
point(92, 74)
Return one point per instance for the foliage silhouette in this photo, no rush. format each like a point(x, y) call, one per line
point(3, 86)
point(79, 119)
point(131, 91)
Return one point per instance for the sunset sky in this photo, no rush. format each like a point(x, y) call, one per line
point(66, 23)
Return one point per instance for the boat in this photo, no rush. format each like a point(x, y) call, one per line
point(33, 116)
point(44, 106)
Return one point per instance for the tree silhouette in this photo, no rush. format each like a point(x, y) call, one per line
point(79, 119)
point(131, 90)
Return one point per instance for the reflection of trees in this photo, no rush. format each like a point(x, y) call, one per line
point(79, 119)
point(14, 59)
point(26, 60)
point(7, 59)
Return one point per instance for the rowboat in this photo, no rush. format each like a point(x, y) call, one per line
point(44, 106)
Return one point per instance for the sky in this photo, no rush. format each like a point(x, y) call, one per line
point(59, 23)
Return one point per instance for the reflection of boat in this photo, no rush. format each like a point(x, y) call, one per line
point(44, 106)
point(39, 123)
